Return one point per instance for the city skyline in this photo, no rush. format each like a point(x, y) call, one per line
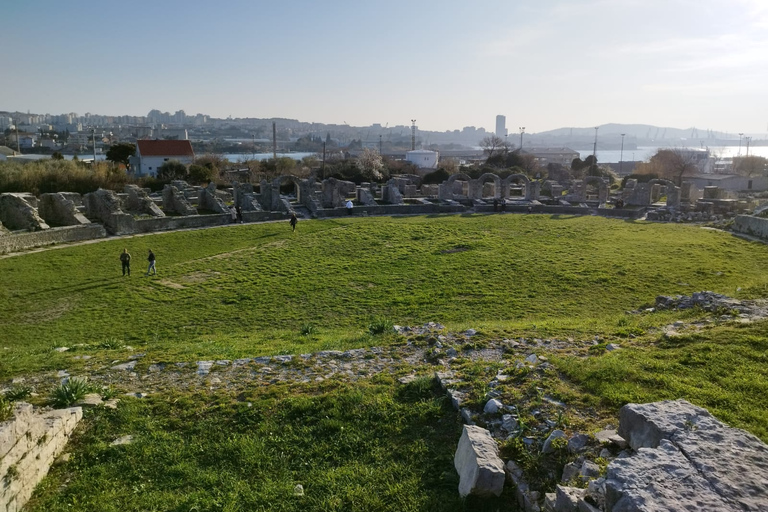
point(447, 64)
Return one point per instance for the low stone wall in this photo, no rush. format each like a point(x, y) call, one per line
point(566, 210)
point(394, 209)
point(21, 241)
point(29, 444)
point(170, 223)
point(749, 225)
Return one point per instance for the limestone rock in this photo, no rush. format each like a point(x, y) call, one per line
point(556, 434)
point(568, 498)
point(477, 461)
point(683, 449)
point(492, 406)
point(577, 443)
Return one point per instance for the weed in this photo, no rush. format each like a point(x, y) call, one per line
point(70, 392)
point(108, 393)
point(307, 330)
point(6, 408)
point(380, 325)
point(12, 473)
point(111, 343)
point(18, 392)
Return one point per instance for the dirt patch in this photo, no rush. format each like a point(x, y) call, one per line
point(199, 277)
point(171, 284)
point(48, 315)
point(458, 248)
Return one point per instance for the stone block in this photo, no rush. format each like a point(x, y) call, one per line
point(175, 201)
point(210, 201)
point(481, 471)
point(567, 498)
point(138, 201)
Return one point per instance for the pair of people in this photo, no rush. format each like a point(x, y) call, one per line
point(125, 259)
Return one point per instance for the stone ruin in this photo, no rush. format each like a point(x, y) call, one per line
point(104, 206)
point(244, 197)
point(675, 456)
point(175, 201)
point(59, 210)
point(17, 213)
point(30, 442)
point(137, 200)
point(208, 200)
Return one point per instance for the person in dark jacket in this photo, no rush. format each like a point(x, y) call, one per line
point(293, 221)
point(125, 259)
point(151, 260)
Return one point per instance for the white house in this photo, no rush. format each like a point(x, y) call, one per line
point(422, 158)
point(151, 154)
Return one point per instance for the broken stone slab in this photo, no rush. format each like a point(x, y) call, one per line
point(481, 471)
point(91, 399)
point(731, 462)
point(567, 498)
point(204, 367)
point(120, 441)
point(508, 422)
point(609, 436)
point(577, 443)
point(129, 366)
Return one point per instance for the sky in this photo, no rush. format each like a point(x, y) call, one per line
point(544, 64)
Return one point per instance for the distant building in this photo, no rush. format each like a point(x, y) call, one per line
point(423, 158)
point(151, 154)
point(545, 156)
point(732, 182)
point(501, 126)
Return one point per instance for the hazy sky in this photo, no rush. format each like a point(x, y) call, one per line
point(446, 63)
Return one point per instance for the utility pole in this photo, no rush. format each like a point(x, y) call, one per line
point(621, 158)
point(93, 135)
point(16, 125)
point(740, 136)
point(322, 168)
point(274, 140)
point(379, 144)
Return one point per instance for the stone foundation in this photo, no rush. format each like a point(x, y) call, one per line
point(21, 241)
point(29, 444)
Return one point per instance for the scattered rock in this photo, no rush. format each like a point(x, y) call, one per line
point(567, 498)
point(508, 423)
point(492, 406)
point(612, 346)
point(577, 443)
point(481, 471)
point(556, 434)
point(532, 359)
point(298, 490)
point(61, 349)
point(129, 366)
point(122, 441)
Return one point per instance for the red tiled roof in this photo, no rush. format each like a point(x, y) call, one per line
point(164, 148)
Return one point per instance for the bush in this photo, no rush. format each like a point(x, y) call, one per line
point(380, 325)
point(69, 393)
point(172, 170)
point(48, 176)
point(435, 178)
point(202, 174)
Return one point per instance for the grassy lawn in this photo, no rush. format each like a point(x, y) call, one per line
point(256, 290)
point(360, 448)
point(249, 290)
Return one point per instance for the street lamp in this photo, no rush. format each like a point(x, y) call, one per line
point(621, 158)
point(740, 136)
point(522, 131)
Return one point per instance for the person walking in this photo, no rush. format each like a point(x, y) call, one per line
point(349, 207)
point(151, 260)
point(125, 259)
point(293, 221)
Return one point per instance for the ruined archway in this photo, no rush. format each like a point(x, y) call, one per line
point(480, 191)
point(673, 191)
point(449, 189)
point(506, 186)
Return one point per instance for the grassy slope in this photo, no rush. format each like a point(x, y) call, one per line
point(248, 290)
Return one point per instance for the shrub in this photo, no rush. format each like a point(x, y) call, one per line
point(307, 330)
point(202, 174)
point(172, 170)
point(70, 392)
point(6, 408)
point(380, 325)
point(436, 177)
point(17, 393)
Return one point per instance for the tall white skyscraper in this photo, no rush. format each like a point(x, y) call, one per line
point(501, 126)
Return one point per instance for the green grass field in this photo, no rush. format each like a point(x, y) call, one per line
point(253, 290)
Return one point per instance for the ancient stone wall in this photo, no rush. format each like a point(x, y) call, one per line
point(29, 444)
point(175, 201)
point(17, 213)
point(137, 200)
point(210, 201)
point(21, 241)
point(749, 225)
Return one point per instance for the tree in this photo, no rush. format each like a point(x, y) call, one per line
point(172, 170)
point(202, 174)
point(56, 155)
point(670, 164)
point(493, 145)
point(750, 166)
point(121, 153)
point(370, 164)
